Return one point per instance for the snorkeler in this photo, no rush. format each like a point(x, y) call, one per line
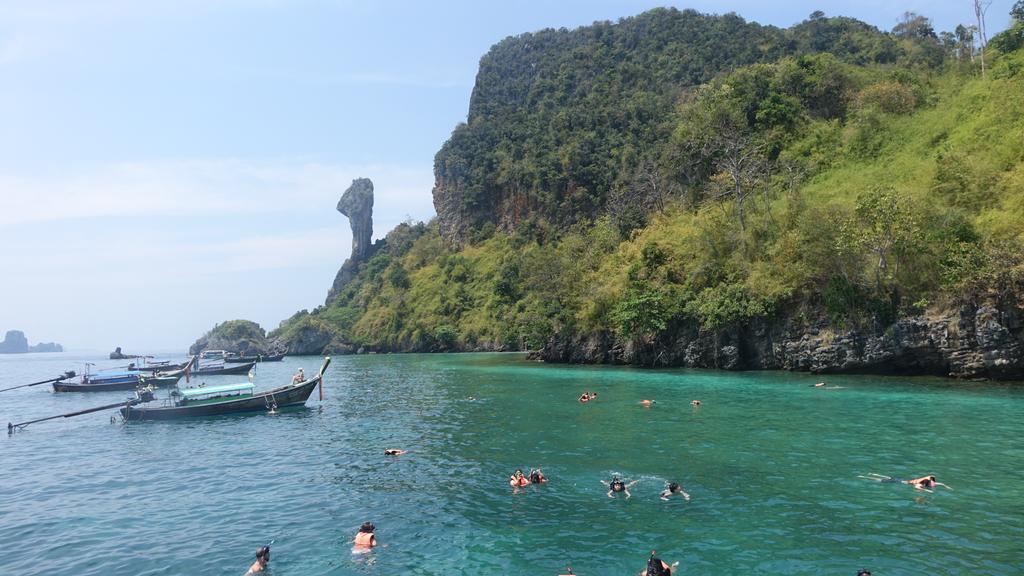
point(647, 403)
point(262, 559)
point(518, 480)
point(657, 567)
point(365, 538)
point(925, 483)
point(695, 403)
point(585, 397)
point(537, 477)
point(394, 452)
point(674, 488)
point(618, 485)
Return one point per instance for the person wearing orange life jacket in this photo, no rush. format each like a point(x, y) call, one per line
point(365, 538)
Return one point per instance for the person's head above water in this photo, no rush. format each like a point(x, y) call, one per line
point(673, 486)
point(263, 554)
point(367, 527)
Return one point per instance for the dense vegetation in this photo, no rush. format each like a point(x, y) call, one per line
point(677, 168)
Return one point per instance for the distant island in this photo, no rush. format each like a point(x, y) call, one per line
point(14, 342)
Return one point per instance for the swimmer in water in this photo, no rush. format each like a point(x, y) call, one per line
point(262, 559)
point(695, 403)
point(647, 403)
point(618, 485)
point(818, 385)
point(593, 395)
point(537, 477)
point(925, 483)
point(365, 538)
point(584, 398)
point(656, 567)
point(394, 452)
point(674, 488)
point(518, 480)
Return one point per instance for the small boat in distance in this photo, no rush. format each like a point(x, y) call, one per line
point(211, 363)
point(236, 359)
point(227, 399)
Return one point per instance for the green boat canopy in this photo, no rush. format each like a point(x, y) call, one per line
point(243, 388)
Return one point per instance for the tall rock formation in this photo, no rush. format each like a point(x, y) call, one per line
point(14, 342)
point(357, 204)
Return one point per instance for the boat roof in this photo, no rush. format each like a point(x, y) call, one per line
point(204, 390)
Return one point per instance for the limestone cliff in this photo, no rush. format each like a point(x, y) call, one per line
point(983, 341)
point(357, 205)
point(15, 342)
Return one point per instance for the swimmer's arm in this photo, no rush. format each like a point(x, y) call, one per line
point(605, 482)
point(946, 486)
point(919, 487)
point(631, 483)
point(685, 495)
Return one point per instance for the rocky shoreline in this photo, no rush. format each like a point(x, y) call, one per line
point(974, 342)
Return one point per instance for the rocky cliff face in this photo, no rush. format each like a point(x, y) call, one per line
point(356, 204)
point(974, 342)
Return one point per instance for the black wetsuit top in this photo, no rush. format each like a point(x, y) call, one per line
point(656, 568)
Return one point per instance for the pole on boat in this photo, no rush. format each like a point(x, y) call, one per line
point(67, 375)
point(320, 384)
point(144, 396)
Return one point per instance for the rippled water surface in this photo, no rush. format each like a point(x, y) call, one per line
point(771, 465)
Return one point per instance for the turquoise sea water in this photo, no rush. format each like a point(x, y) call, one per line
point(771, 465)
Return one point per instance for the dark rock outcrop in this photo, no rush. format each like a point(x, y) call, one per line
point(308, 335)
point(239, 336)
point(357, 204)
point(118, 355)
point(15, 342)
point(974, 342)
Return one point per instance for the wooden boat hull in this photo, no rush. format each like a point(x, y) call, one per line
point(285, 397)
point(264, 358)
point(239, 369)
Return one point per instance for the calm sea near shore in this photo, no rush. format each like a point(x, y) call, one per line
point(771, 465)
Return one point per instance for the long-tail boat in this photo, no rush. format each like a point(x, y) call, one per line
point(156, 366)
point(211, 363)
point(107, 381)
point(227, 399)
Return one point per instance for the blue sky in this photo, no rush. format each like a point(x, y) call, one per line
point(168, 165)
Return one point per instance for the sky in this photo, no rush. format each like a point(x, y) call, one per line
point(167, 165)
